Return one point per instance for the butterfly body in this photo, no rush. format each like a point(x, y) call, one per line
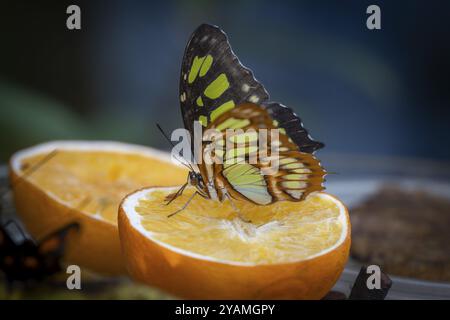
point(218, 92)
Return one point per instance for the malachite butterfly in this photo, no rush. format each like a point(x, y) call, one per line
point(220, 93)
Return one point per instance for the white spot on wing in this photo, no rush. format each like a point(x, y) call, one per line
point(253, 99)
point(245, 87)
point(183, 97)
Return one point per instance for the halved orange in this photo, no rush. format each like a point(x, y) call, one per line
point(288, 250)
point(85, 182)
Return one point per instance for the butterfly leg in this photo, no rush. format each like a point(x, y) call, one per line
point(184, 206)
point(175, 195)
point(239, 214)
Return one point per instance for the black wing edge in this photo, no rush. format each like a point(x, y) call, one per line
point(210, 29)
point(293, 125)
point(60, 235)
point(206, 28)
point(5, 239)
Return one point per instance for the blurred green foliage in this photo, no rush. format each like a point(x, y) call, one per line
point(28, 118)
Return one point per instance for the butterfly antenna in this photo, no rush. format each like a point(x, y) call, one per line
point(184, 206)
point(182, 161)
point(165, 135)
point(175, 195)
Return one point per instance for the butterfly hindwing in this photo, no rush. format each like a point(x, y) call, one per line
point(292, 177)
point(54, 243)
point(213, 80)
point(246, 180)
point(287, 120)
point(298, 174)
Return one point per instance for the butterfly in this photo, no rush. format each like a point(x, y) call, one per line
point(217, 91)
point(24, 259)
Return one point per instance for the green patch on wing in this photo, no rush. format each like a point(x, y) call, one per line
point(217, 87)
point(248, 181)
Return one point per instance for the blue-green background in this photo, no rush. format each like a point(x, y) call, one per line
point(383, 92)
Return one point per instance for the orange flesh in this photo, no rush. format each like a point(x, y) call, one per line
point(96, 181)
point(282, 232)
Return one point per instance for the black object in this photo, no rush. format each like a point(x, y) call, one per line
point(22, 259)
point(25, 260)
point(335, 295)
point(360, 290)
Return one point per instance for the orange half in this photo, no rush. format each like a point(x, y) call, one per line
point(85, 181)
point(288, 250)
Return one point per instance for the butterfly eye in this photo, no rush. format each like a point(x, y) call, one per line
point(200, 181)
point(191, 178)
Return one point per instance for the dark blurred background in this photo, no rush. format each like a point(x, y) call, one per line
point(362, 92)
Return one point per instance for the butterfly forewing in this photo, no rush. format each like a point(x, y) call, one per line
point(220, 93)
point(213, 80)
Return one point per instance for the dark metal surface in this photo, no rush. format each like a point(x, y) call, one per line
point(360, 176)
